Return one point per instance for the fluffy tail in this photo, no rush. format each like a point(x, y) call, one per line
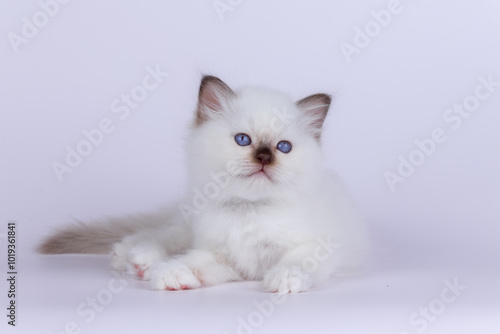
point(97, 237)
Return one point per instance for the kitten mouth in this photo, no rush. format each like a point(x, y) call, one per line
point(260, 173)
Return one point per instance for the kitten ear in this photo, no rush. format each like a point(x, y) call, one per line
point(315, 108)
point(213, 93)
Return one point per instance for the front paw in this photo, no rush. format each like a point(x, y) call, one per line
point(142, 258)
point(287, 280)
point(136, 260)
point(172, 275)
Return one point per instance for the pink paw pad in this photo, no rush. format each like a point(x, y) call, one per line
point(140, 272)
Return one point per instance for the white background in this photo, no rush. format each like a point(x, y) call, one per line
point(441, 223)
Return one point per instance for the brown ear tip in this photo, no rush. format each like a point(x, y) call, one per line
point(327, 98)
point(206, 78)
point(316, 99)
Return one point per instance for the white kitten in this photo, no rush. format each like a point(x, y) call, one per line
point(260, 204)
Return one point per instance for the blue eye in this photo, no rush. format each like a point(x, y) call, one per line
point(242, 139)
point(284, 146)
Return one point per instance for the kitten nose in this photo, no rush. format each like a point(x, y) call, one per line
point(264, 158)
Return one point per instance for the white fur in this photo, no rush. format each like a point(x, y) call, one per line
point(292, 230)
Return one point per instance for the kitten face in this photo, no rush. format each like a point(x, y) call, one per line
point(259, 141)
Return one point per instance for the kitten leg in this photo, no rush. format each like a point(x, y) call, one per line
point(192, 270)
point(287, 279)
point(136, 253)
point(302, 268)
